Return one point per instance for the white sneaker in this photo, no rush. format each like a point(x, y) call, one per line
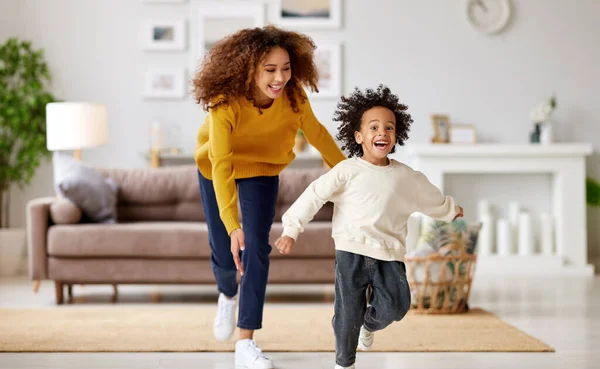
point(249, 356)
point(225, 320)
point(344, 367)
point(365, 340)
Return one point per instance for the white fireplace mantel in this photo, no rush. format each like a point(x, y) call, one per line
point(565, 162)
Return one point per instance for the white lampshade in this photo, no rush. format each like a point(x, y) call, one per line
point(74, 126)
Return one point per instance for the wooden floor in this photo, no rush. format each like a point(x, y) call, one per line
point(562, 312)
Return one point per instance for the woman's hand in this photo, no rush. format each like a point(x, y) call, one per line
point(459, 215)
point(285, 244)
point(237, 244)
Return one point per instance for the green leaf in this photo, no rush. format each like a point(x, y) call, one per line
point(24, 93)
point(553, 102)
point(592, 188)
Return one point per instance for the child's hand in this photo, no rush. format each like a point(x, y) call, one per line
point(459, 215)
point(285, 244)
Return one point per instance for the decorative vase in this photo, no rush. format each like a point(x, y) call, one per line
point(546, 134)
point(534, 136)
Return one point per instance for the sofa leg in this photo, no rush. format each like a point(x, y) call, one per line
point(115, 293)
point(36, 286)
point(155, 297)
point(70, 291)
point(58, 285)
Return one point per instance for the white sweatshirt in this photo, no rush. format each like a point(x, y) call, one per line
point(371, 206)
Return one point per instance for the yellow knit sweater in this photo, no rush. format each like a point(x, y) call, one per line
point(236, 141)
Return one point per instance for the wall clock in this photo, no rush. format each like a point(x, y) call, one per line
point(489, 16)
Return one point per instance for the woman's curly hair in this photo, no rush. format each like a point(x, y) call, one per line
point(351, 109)
point(229, 68)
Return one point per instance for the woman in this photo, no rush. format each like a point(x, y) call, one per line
point(250, 83)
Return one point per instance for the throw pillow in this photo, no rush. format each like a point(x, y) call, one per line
point(438, 234)
point(457, 236)
point(95, 194)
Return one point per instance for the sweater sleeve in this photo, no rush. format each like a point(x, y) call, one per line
point(318, 136)
point(221, 126)
point(312, 199)
point(431, 202)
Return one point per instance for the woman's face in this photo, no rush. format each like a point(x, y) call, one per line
point(272, 73)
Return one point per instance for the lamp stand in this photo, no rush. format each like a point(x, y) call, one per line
point(154, 158)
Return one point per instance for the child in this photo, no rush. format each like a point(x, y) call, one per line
point(373, 198)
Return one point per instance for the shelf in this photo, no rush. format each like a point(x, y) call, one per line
point(304, 160)
point(308, 156)
point(190, 157)
point(504, 150)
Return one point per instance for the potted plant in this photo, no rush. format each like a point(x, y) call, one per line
point(24, 78)
point(592, 192)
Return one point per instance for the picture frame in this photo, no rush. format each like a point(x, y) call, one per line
point(328, 59)
point(308, 14)
point(164, 83)
point(463, 134)
point(230, 16)
point(441, 128)
point(165, 35)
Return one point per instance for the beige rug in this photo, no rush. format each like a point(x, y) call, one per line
point(308, 328)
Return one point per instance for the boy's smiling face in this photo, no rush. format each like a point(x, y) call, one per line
point(377, 134)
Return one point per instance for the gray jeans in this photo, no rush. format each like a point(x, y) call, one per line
point(390, 299)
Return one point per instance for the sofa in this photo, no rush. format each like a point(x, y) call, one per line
point(161, 236)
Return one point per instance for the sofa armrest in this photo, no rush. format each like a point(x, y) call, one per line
point(38, 222)
point(63, 211)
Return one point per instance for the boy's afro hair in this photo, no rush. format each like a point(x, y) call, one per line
point(351, 109)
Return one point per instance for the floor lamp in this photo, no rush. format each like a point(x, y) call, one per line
point(74, 126)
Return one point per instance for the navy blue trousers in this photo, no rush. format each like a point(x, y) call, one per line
point(258, 197)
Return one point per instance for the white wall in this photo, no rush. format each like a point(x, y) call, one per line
point(424, 50)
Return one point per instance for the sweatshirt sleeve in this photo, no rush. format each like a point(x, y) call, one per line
point(221, 126)
point(431, 202)
point(312, 199)
point(318, 136)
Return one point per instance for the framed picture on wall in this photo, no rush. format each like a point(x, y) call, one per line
point(328, 58)
point(463, 134)
point(218, 19)
point(441, 128)
point(309, 13)
point(165, 83)
point(165, 35)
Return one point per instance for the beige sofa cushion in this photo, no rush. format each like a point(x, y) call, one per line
point(161, 194)
point(315, 241)
point(291, 185)
point(172, 193)
point(178, 240)
point(140, 240)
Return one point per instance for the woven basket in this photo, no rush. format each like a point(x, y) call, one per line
point(440, 284)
